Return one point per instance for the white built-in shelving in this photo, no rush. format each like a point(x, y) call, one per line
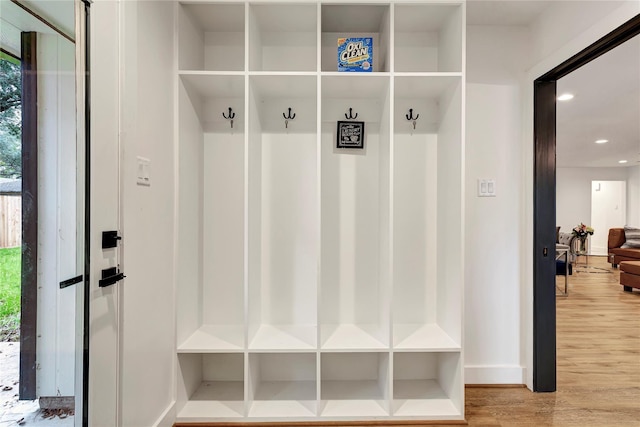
point(316, 283)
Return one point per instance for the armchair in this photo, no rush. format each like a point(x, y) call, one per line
point(565, 240)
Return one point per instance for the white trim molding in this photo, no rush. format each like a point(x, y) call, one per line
point(494, 374)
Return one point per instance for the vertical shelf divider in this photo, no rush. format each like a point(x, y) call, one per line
point(392, 24)
point(319, 205)
point(247, 393)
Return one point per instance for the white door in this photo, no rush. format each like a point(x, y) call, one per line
point(608, 210)
point(104, 197)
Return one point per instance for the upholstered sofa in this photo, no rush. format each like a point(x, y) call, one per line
point(621, 248)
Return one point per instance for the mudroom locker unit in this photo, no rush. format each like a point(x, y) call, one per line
point(316, 282)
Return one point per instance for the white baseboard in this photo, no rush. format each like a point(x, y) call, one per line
point(494, 374)
point(168, 417)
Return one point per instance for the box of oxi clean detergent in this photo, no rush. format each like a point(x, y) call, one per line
point(355, 54)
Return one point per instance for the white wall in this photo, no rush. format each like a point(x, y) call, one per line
point(495, 63)
point(148, 362)
point(497, 54)
point(132, 334)
point(573, 193)
point(492, 350)
point(633, 196)
point(567, 21)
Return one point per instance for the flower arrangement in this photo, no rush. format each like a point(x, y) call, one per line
point(582, 231)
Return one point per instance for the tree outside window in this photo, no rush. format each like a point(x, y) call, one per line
point(10, 118)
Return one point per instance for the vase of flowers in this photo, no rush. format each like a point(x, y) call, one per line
point(582, 232)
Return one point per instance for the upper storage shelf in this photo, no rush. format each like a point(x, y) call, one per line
point(355, 21)
point(211, 37)
point(282, 37)
point(428, 38)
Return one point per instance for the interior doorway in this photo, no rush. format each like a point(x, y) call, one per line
point(608, 210)
point(544, 309)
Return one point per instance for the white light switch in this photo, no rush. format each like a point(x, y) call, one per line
point(486, 187)
point(143, 172)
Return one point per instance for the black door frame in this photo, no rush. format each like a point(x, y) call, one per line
point(544, 202)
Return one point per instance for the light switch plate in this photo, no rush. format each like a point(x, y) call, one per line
point(486, 188)
point(143, 171)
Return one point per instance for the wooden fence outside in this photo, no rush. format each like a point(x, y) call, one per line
point(10, 221)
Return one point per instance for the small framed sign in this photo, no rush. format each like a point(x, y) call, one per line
point(350, 135)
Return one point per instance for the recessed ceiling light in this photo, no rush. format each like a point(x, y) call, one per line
point(622, 161)
point(602, 141)
point(565, 97)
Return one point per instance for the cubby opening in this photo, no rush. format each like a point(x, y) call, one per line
point(210, 290)
point(283, 213)
point(354, 384)
point(427, 385)
point(354, 312)
point(340, 21)
point(282, 385)
point(425, 200)
point(283, 37)
point(210, 385)
point(211, 37)
point(428, 38)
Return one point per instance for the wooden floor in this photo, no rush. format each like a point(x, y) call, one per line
point(598, 342)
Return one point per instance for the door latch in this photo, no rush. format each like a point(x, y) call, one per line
point(110, 276)
point(110, 239)
point(545, 251)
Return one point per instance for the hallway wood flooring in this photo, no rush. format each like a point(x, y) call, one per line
point(598, 356)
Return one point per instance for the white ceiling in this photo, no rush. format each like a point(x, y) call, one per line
point(606, 106)
point(60, 13)
point(607, 93)
point(14, 19)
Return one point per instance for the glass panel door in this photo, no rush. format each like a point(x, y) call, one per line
point(43, 38)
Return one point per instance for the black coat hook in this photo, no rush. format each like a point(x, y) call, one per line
point(230, 117)
point(410, 115)
point(289, 117)
point(351, 116)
